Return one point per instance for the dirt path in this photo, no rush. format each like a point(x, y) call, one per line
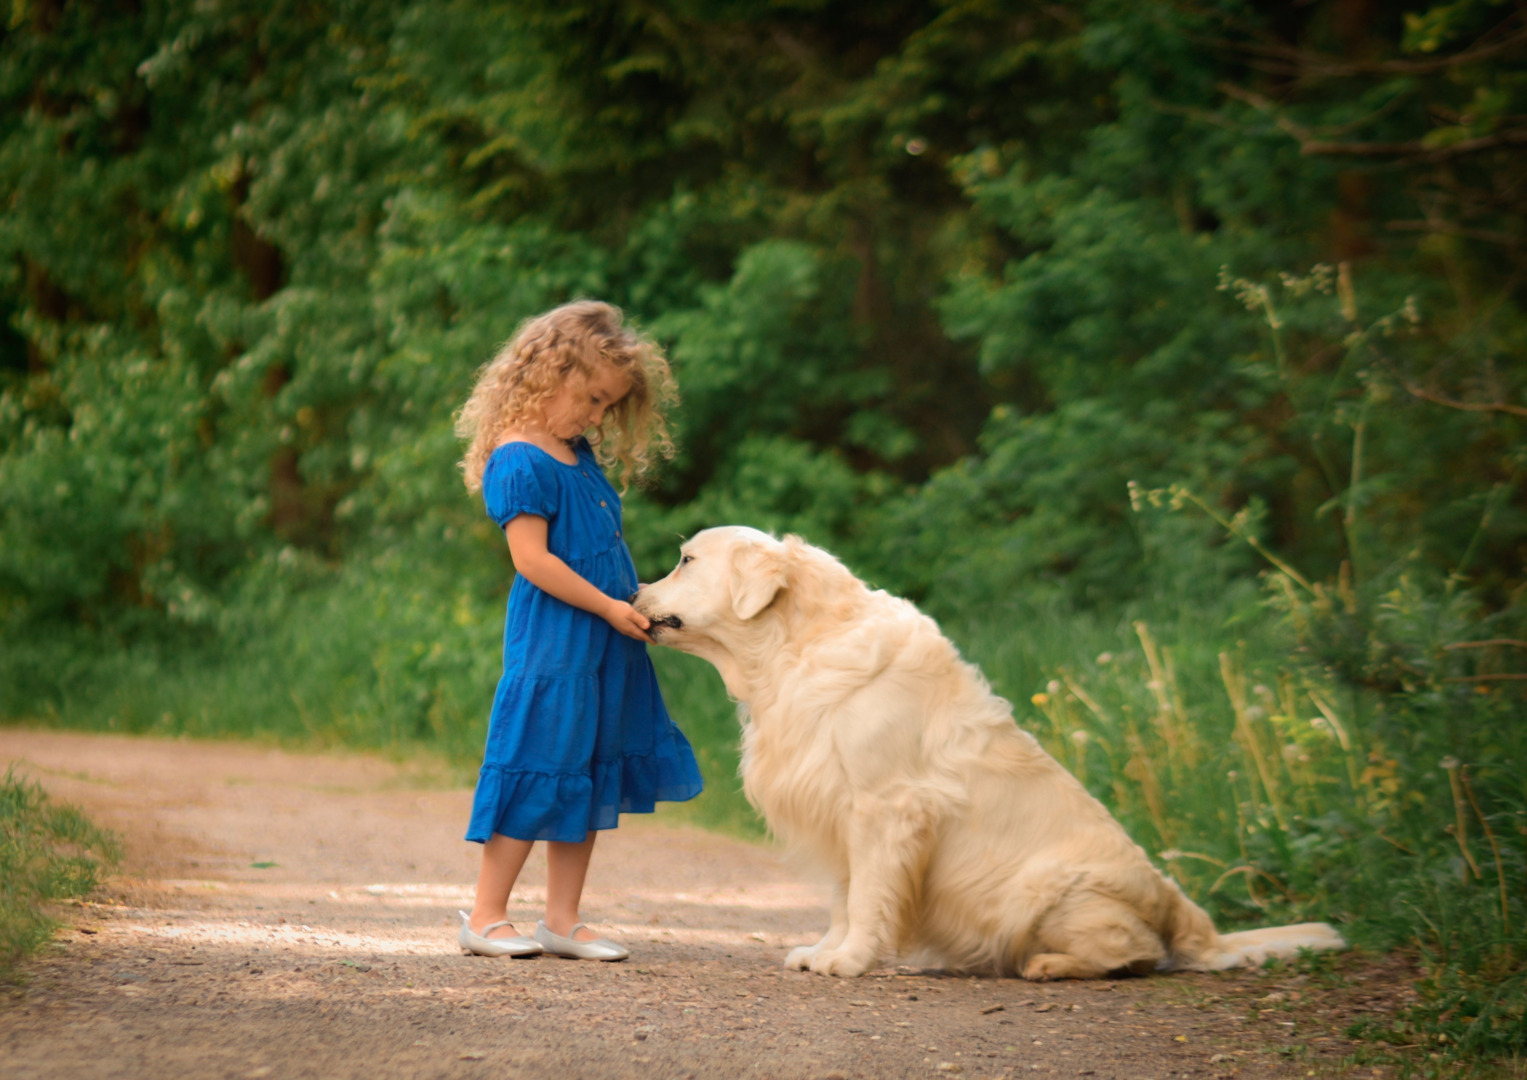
point(284, 915)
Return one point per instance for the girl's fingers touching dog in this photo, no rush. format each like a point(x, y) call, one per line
point(630, 622)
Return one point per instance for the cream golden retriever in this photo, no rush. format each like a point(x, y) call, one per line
point(871, 747)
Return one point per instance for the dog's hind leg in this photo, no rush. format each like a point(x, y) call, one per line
point(800, 958)
point(1088, 936)
point(888, 846)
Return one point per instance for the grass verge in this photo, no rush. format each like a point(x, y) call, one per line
point(48, 853)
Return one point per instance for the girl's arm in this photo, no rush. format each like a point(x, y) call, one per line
point(527, 547)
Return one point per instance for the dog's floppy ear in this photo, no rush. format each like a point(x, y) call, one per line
point(758, 574)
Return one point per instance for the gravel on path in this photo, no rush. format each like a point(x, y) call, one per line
point(294, 915)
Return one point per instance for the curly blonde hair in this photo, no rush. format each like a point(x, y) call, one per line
point(571, 342)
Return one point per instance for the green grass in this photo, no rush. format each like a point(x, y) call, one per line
point(1276, 790)
point(48, 853)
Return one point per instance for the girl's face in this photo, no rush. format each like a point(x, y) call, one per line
point(581, 403)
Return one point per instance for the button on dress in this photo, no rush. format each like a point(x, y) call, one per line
point(579, 733)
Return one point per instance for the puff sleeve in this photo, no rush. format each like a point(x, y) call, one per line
point(516, 482)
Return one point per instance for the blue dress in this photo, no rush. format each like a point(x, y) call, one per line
point(579, 733)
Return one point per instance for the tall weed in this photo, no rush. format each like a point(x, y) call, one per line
point(1276, 790)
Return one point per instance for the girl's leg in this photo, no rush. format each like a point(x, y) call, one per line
point(502, 859)
point(566, 867)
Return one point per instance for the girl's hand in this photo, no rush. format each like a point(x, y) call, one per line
point(628, 620)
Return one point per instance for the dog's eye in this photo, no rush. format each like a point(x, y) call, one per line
point(686, 559)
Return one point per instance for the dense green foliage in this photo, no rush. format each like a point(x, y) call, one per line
point(940, 282)
point(47, 853)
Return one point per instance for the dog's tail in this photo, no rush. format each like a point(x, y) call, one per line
point(1197, 946)
point(1253, 948)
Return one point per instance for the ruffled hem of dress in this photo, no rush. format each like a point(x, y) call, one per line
point(530, 805)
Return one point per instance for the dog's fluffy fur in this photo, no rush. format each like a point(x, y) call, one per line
point(950, 835)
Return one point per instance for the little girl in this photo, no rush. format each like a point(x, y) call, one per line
point(578, 732)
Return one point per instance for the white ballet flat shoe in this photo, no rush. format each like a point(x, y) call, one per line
point(598, 949)
point(482, 945)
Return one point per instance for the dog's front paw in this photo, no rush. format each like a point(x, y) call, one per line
point(846, 962)
point(800, 957)
point(1046, 966)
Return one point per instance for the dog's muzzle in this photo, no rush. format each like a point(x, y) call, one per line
point(673, 622)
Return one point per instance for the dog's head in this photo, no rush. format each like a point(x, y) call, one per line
point(726, 578)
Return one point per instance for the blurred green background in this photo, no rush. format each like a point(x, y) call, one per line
point(1170, 354)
